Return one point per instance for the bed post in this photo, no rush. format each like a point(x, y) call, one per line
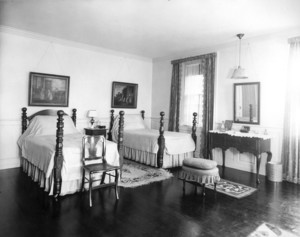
point(120, 137)
point(111, 125)
point(74, 116)
point(161, 141)
point(58, 158)
point(143, 114)
point(194, 128)
point(24, 119)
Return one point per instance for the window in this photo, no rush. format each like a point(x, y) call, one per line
point(192, 90)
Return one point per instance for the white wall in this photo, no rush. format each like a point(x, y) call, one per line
point(91, 72)
point(265, 60)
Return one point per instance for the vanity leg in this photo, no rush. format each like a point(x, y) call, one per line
point(223, 156)
point(258, 158)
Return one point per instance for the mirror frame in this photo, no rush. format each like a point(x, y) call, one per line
point(258, 102)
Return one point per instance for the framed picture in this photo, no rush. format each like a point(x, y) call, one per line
point(124, 95)
point(48, 90)
point(228, 124)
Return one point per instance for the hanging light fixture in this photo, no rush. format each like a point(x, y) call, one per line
point(239, 73)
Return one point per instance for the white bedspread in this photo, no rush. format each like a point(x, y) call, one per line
point(146, 140)
point(38, 144)
point(40, 151)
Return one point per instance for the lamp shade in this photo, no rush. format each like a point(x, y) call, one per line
point(239, 73)
point(92, 114)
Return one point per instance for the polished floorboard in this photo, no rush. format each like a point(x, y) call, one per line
point(157, 209)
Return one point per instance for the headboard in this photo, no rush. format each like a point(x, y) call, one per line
point(46, 112)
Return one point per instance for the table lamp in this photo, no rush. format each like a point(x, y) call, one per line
point(92, 114)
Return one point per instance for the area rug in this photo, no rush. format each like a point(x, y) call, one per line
point(269, 230)
point(232, 189)
point(135, 174)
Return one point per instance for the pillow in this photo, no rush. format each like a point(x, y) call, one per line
point(131, 122)
point(69, 127)
point(46, 125)
point(200, 163)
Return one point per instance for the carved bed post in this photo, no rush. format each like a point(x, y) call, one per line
point(24, 119)
point(194, 128)
point(74, 116)
point(111, 125)
point(143, 114)
point(161, 141)
point(120, 138)
point(58, 158)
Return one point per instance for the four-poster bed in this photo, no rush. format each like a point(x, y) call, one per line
point(157, 148)
point(51, 150)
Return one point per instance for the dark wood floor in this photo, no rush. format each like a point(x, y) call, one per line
point(158, 209)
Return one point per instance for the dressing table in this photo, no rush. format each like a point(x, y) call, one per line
point(255, 144)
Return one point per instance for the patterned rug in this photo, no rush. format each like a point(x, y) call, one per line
point(135, 174)
point(232, 189)
point(268, 230)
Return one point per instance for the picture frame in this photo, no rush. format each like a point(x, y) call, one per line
point(124, 95)
point(48, 90)
point(228, 124)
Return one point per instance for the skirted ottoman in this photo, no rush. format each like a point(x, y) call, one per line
point(199, 171)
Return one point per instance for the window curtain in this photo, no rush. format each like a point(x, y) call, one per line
point(291, 133)
point(191, 88)
point(207, 68)
point(175, 98)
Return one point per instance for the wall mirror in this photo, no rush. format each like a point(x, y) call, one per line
point(247, 103)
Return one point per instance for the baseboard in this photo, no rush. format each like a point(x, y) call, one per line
point(9, 163)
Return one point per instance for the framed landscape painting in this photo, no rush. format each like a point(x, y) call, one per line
point(48, 90)
point(124, 95)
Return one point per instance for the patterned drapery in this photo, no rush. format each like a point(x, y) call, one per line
point(175, 99)
point(208, 107)
point(291, 133)
point(207, 68)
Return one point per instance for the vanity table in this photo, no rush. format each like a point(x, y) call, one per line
point(255, 144)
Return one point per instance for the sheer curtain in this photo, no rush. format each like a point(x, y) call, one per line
point(291, 133)
point(192, 87)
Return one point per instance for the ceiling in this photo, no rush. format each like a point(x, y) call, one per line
point(151, 28)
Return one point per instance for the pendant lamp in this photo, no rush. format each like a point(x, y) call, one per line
point(239, 73)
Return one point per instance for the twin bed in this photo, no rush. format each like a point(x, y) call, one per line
point(51, 147)
point(156, 148)
point(51, 151)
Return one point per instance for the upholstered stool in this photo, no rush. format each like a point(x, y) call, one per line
point(199, 171)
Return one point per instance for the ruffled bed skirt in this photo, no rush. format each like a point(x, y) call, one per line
point(148, 158)
point(38, 176)
point(205, 177)
point(47, 183)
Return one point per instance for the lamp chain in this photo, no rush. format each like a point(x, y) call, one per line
point(240, 36)
point(240, 54)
